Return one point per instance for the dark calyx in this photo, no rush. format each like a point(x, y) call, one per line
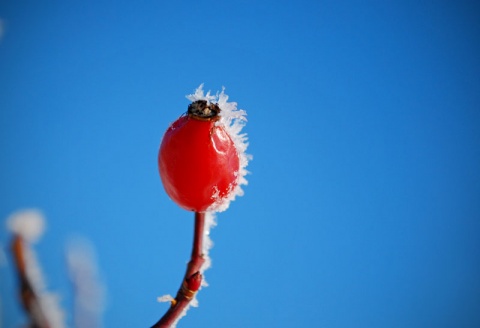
point(202, 110)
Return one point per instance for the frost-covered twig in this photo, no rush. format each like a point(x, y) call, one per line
point(28, 296)
point(89, 291)
point(40, 306)
point(192, 280)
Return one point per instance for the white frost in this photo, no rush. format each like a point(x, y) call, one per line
point(84, 275)
point(29, 224)
point(165, 298)
point(210, 222)
point(232, 120)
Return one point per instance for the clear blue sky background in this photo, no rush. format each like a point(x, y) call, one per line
point(363, 206)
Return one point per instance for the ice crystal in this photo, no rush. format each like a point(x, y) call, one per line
point(232, 120)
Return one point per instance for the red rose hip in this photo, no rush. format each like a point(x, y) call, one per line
point(198, 162)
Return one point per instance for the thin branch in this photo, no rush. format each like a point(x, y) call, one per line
point(192, 280)
point(29, 298)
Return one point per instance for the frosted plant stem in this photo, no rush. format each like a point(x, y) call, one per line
point(191, 281)
point(28, 296)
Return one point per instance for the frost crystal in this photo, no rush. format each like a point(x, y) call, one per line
point(232, 120)
point(210, 222)
point(165, 298)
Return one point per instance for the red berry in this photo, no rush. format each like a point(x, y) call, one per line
point(198, 162)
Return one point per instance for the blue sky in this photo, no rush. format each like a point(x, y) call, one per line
point(362, 208)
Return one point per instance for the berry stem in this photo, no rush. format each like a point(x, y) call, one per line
point(192, 279)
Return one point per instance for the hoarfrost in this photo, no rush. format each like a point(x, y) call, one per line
point(184, 313)
point(169, 298)
point(210, 222)
point(89, 291)
point(29, 225)
point(233, 120)
point(165, 298)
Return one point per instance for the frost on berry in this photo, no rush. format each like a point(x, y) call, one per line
point(232, 120)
